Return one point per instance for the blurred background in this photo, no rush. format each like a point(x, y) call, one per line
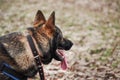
point(92, 25)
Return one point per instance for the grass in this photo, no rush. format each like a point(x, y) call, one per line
point(115, 64)
point(76, 20)
point(107, 53)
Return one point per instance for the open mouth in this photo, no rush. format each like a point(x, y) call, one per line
point(61, 56)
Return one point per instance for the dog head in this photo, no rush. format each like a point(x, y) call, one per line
point(49, 38)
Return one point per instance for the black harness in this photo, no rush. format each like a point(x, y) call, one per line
point(12, 74)
point(36, 57)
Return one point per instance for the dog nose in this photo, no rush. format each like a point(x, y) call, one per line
point(68, 45)
point(71, 44)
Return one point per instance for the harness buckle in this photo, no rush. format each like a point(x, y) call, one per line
point(36, 57)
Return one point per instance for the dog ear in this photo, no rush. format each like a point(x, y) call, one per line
point(51, 21)
point(39, 19)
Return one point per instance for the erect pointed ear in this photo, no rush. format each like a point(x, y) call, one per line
point(51, 21)
point(39, 19)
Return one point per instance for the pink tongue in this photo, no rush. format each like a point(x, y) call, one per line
point(64, 62)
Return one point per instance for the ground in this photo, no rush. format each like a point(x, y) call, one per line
point(92, 25)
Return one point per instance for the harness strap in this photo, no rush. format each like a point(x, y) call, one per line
point(8, 71)
point(36, 57)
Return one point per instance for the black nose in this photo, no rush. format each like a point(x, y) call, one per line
point(68, 45)
point(65, 44)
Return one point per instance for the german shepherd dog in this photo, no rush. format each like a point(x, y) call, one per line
point(15, 49)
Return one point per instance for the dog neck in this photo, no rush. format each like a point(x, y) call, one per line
point(43, 43)
point(36, 46)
